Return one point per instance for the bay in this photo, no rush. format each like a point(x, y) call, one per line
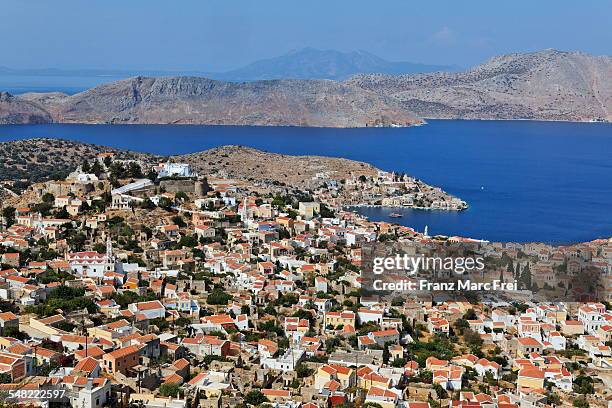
point(524, 180)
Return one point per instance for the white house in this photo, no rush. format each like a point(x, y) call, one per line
point(152, 310)
point(176, 170)
point(287, 362)
point(368, 315)
point(484, 366)
point(90, 263)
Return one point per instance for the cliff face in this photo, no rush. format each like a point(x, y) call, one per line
point(14, 110)
point(194, 100)
point(548, 85)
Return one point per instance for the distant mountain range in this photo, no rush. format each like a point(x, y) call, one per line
point(309, 63)
point(306, 63)
point(543, 85)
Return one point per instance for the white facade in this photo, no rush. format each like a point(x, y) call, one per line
point(90, 264)
point(176, 170)
point(287, 362)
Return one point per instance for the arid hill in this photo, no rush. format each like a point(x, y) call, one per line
point(546, 85)
point(14, 111)
point(194, 100)
point(36, 159)
point(252, 164)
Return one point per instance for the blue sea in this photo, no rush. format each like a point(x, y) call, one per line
point(18, 84)
point(524, 180)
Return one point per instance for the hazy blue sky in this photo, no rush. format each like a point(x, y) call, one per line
point(224, 34)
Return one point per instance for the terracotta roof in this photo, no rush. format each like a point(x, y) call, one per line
point(181, 363)
point(531, 373)
point(87, 365)
point(276, 393)
point(122, 352)
point(92, 351)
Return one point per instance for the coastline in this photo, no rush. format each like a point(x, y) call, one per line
point(489, 215)
point(520, 120)
point(352, 209)
point(406, 207)
point(424, 121)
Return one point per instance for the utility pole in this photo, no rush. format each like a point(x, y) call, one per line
point(35, 358)
point(85, 333)
point(1, 214)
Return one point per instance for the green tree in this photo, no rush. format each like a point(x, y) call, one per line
point(134, 170)
point(525, 279)
point(398, 362)
point(303, 371)
point(584, 385)
point(9, 215)
point(96, 168)
point(170, 390)
point(188, 241)
point(165, 203)
point(147, 204)
point(325, 212)
point(255, 398)
point(48, 198)
point(581, 402)
point(553, 398)
point(218, 297)
point(178, 220)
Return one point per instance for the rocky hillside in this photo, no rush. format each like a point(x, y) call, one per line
point(15, 111)
point(252, 164)
point(36, 159)
point(194, 100)
point(547, 85)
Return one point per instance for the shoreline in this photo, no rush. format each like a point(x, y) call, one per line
point(519, 120)
point(265, 126)
point(405, 207)
point(522, 237)
point(352, 209)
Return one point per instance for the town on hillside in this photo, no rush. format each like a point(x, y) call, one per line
point(139, 284)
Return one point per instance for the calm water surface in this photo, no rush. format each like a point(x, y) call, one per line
point(524, 181)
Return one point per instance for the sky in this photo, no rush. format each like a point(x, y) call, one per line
point(218, 35)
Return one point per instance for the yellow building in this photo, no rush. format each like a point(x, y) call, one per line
point(367, 378)
point(531, 378)
point(329, 372)
point(340, 318)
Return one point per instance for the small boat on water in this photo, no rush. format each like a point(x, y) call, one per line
point(395, 215)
